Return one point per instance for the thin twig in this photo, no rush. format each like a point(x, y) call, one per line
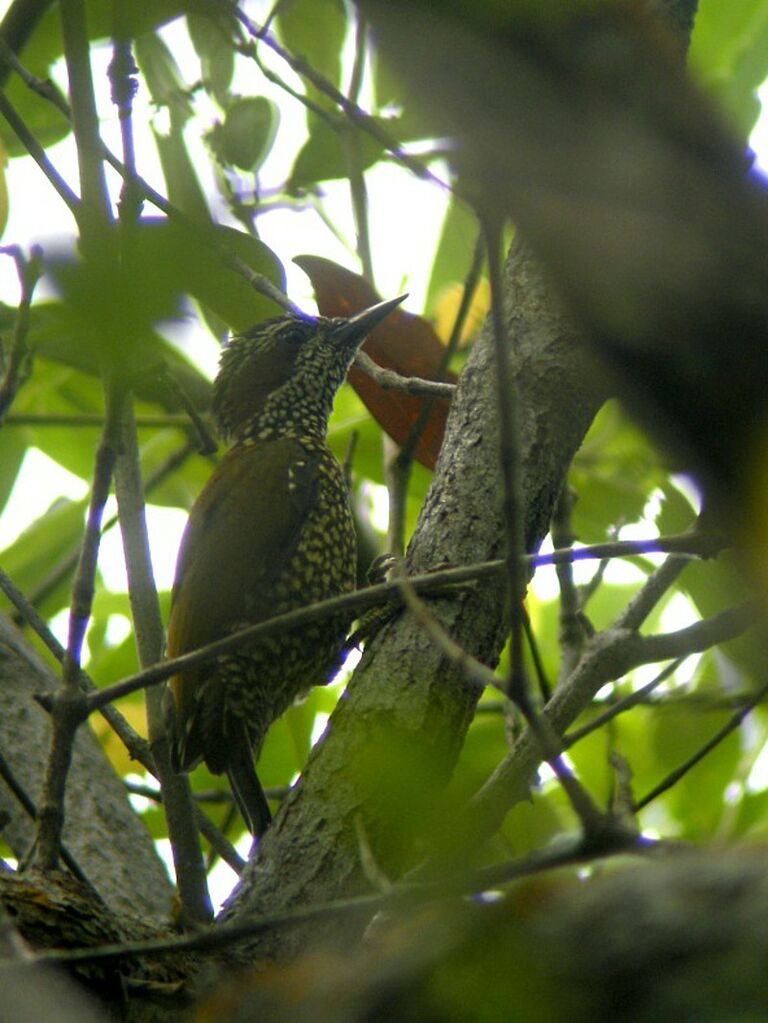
point(477, 673)
point(730, 726)
point(351, 147)
point(61, 569)
point(538, 662)
point(94, 212)
point(36, 151)
point(21, 796)
point(609, 655)
point(206, 441)
point(122, 75)
point(69, 705)
point(44, 88)
point(177, 800)
point(19, 363)
point(390, 380)
point(219, 844)
point(655, 587)
point(571, 630)
point(405, 457)
point(89, 420)
point(622, 705)
point(404, 895)
point(137, 747)
point(372, 596)
point(356, 114)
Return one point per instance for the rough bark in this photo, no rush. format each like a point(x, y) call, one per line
point(109, 842)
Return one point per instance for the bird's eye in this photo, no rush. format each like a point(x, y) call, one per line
point(294, 334)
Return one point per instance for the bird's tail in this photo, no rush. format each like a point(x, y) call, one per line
point(246, 787)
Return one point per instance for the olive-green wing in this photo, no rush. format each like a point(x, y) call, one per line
point(241, 532)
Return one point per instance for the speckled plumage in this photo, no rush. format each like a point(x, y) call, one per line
point(270, 532)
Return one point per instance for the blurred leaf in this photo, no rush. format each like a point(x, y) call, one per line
point(714, 586)
point(322, 157)
point(402, 342)
point(163, 78)
point(246, 136)
point(3, 189)
point(392, 93)
point(222, 290)
point(58, 390)
point(168, 89)
point(181, 487)
point(676, 514)
point(454, 250)
point(447, 306)
point(111, 308)
point(278, 763)
point(531, 824)
point(697, 798)
point(751, 817)
point(30, 558)
point(729, 54)
point(110, 663)
point(213, 44)
point(43, 120)
point(593, 769)
point(315, 30)
point(14, 442)
point(485, 746)
point(300, 719)
point(613, 475)
point(351, 416)
point(132, 708)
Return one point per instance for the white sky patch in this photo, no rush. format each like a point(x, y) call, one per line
point(39, 482)
point(757, 779)
point(165, 526)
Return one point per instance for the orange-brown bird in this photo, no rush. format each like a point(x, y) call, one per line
point(271, 531)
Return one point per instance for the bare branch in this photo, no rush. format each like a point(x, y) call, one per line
point(389, 379)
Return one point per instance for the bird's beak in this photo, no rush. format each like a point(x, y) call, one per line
point(358, 327)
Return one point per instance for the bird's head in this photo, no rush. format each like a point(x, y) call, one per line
point(282, 374)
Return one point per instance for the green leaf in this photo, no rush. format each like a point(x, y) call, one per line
point(14, 442)
point(54, 535)
point(108, 309)
point(110, 663)
point(213, 44)
point(315, 30)
point(714, 586)
point(246, 136)
point(696, 799)
point(729, 54)
point(55, 390)
point(168, 88)
point(43, 120)
point(179, 488)
point(415, 118)
point(454, 250)
point(350, 417)
point(613, 475)
point(322, 157)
